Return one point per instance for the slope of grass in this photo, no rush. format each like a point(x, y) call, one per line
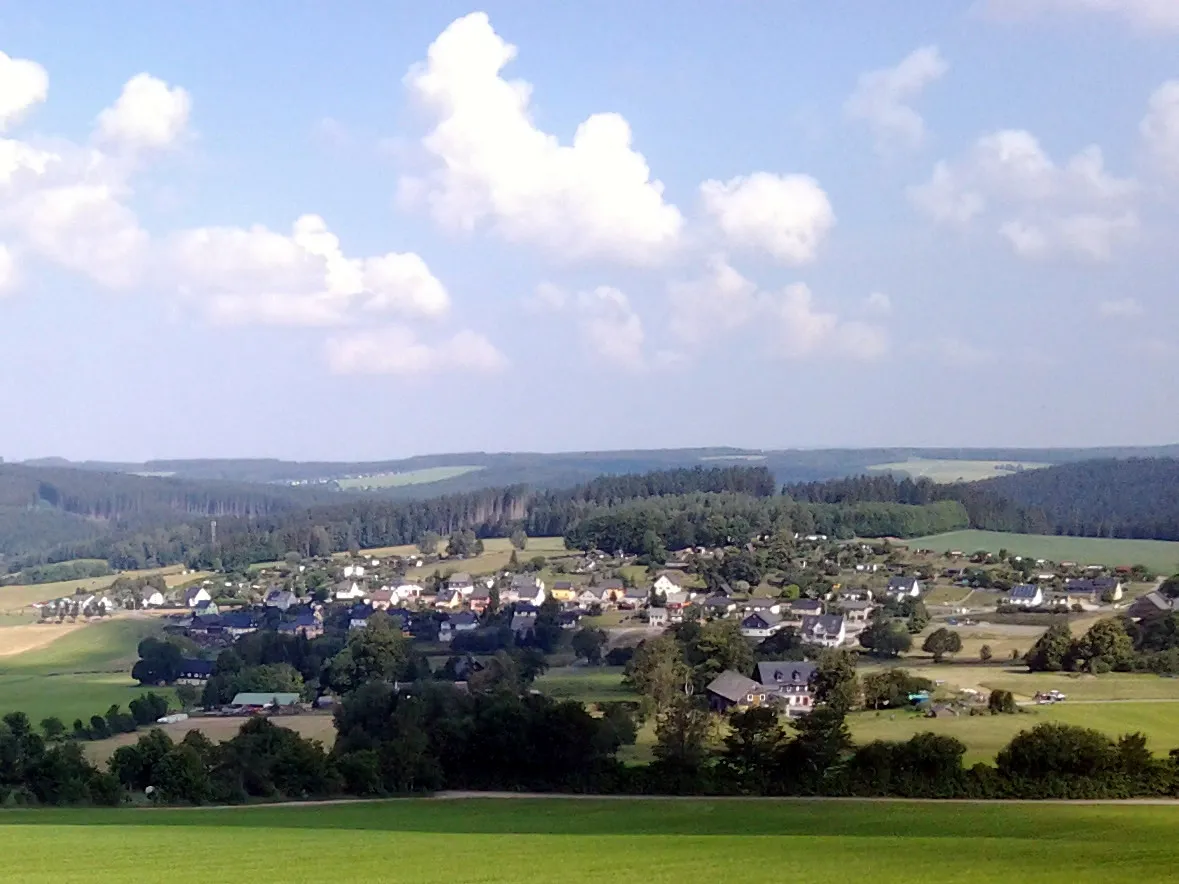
point(653, 841)
point(1161, 556)
point(79, 675)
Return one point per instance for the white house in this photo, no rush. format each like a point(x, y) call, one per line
point(151, 598)
point(657, 616)
point(827, 630)
point(349, 590)
point(760, 624)
point(196, 594)
point(406, 591)
point(1025, 595)
point(526, 588)
point(665, 584)
point(353, 571)
point(904, 587)
point(460, 582)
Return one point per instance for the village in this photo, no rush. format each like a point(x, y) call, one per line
point(446, 603)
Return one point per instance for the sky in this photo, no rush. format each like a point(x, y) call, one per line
point(367, 230)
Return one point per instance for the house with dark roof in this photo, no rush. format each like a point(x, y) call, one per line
point(611, 590)
point(464, 621)
point(731, 690)
point(903, 587)
point(827, 630)
point(788, 683)
point(760, 624)
point(719, 606)
point(206, 608)
point(237, 623)
point(1153, 605)
point(1094, 589)
point(194, 672)
point(306, 625)
point(460, 581)
point(1025, 595)
point(523, 623)
point(358, 616)
point(280, 598)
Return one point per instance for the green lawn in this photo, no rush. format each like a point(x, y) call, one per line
point(1161, 556)
point(79, 675)
point(410, 477)
point(985, 735)
point(648, 841)
point(952, 470)
point(598, 684)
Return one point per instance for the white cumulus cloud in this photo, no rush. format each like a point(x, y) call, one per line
point(882, 98)
point(722, 301)
point(149, 114)
point(804, 330)
point(1160, 126)
point(23, 84)
point(256, 275)
point(592, 198)
point(878, 303)
point(719, 301)
point(1039, 206)
point(1160, 15)
point(611, 330)
point(786, 216)
point(397, 350)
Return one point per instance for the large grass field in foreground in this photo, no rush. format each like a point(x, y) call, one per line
point(573, 840)
point(78, 675)
point(1161, 556)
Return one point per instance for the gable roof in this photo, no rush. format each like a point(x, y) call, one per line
point(193, 591)
point(1023, 591)
point(463, 618)
point(1091, 584)
point(1158, 601)
point(830, 624)
point(239, 620)
point(458, 577)
point(807, 605)
point(784, 672)
point(902, 582)
point(733, 686)
point(611, 583)
point(768, 618)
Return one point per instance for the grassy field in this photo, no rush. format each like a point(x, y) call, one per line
point(410, 477)
point(78, 675)
point(589, 685)
point(953, 470)
point(497, 551)
point(985, 735)
point(649, 841)
point(318, 727)
point(1024, 684)
point(1161, 556)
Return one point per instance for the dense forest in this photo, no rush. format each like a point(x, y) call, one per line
point(1138, 497)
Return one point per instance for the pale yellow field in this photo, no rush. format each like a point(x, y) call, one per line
point(317, 726)
point(32, 636)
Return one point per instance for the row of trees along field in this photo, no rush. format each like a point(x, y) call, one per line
point(395, 737)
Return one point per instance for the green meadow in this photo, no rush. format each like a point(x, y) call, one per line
point(1161, 556)
point(78, 675)
point(572, 840)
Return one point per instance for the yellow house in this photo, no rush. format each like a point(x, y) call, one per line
point(564, 591)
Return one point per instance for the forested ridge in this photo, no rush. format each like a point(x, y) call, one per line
point(51, 515)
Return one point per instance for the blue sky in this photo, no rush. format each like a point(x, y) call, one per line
point(367, 230)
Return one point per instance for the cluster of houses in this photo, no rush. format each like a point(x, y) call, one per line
point(1085, 591)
